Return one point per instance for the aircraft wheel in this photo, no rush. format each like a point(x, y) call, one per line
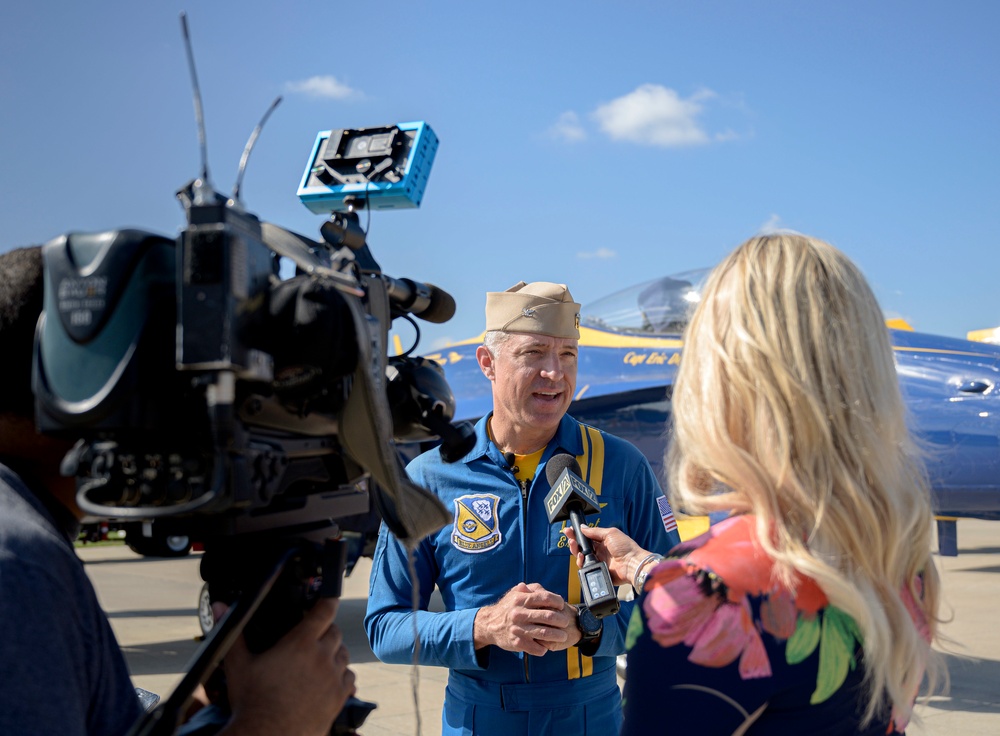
point(169, 545)
point(205, 618)
point(177, 545)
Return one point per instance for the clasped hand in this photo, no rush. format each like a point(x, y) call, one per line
point(527, 619)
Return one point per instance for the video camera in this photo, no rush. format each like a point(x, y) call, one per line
point(205, 389)
point(222, 399)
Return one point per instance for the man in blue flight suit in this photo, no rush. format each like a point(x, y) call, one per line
point(520, 661)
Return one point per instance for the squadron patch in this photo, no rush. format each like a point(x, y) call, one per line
point(476, 526)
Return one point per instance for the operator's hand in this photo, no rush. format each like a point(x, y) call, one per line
point(298, 686)
point(613, 547)
point(527, 619)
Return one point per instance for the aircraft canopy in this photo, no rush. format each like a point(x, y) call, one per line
point(661, 306)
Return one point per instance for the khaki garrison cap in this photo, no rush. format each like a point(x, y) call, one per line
point(540, 307)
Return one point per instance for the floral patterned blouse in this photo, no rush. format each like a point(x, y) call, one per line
point(716, 647)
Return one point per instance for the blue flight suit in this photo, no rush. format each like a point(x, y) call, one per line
point(498, 539)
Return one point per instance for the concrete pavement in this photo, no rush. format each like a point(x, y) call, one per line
point(152, 604)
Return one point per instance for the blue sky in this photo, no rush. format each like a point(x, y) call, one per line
point(593, 143)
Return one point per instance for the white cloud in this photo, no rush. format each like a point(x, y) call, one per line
point(323, 87)
point(602, 253)
point(655, 115)
point(568, 128)
point(772, 226)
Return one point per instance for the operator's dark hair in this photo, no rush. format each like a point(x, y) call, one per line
point(20, 306)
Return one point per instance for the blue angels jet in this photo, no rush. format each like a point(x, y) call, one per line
point(630, 347)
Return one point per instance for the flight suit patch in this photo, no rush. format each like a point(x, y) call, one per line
point(476, 527)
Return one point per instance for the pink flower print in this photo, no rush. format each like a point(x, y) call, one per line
point(730, 633)
point(754, 662)
point(677, 609)
point(915, 611)
point(717, 631)
point(911, 594)
point(778, 615)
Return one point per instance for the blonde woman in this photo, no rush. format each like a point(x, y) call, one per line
point(812, 607)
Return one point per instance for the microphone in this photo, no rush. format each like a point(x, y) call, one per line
point(571, 498)
point(426, 301)
point(508, 457)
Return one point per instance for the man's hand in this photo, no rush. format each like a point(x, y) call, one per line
point(613, 547)
point(298, 686)
point(527, 619)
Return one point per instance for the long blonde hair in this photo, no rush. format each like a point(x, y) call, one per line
point(787, 406)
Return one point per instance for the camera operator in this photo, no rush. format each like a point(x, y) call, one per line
point(62, 671)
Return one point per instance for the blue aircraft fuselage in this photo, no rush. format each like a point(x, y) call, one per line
point(950, 387)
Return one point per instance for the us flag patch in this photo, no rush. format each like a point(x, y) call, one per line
point(666, 513)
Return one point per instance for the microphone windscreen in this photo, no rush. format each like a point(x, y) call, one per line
point(558, 463)
point(442, 306)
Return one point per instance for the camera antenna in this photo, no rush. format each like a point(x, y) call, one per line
point(249, 147)
point(368, 220)
point(199, 116)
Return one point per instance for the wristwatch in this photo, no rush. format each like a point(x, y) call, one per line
point(591, 627)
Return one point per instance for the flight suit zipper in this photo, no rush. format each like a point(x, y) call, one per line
point(523, 485)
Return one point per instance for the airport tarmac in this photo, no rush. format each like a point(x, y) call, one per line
point(152, 604)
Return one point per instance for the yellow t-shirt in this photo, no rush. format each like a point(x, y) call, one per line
point(525, 467)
